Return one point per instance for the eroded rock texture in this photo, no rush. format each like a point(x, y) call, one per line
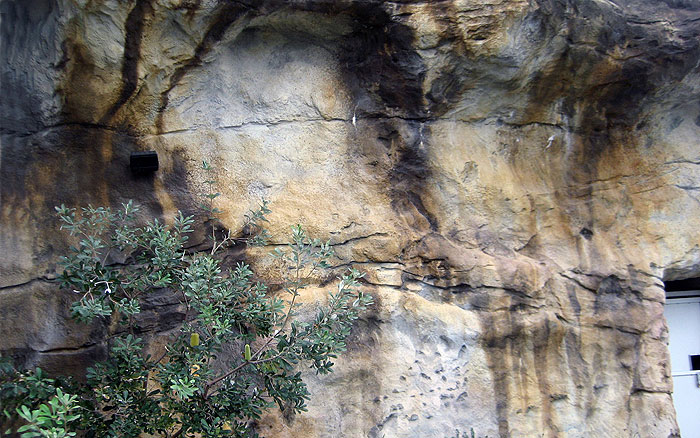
point(517, 178)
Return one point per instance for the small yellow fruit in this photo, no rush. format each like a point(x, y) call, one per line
point(194, 339)
point(246, 354)
point(226, 426)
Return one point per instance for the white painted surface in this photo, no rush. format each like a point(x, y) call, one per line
point(683, 317)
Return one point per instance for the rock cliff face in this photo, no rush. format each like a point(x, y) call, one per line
point(517, 178)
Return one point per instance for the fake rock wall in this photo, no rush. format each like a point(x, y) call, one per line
point(517, 178)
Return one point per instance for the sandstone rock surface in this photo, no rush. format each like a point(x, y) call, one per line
point(517, 178)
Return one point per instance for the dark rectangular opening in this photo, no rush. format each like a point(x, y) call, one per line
point(682, 285)
point(143, 162)
point(695, 362)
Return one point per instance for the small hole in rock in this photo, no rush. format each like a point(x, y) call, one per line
point(586, 233)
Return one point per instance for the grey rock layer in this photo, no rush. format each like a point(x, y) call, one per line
point(517, 178)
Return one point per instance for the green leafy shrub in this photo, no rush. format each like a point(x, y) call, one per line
point(234, 356)
point(50, 420)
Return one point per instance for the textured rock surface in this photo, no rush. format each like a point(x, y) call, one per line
point(516, 177)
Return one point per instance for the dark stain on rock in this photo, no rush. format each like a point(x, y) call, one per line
point(20, 105)
point(381, 65)
point(93, 167)
point(495, 347)
point(406, 187)
point(79, 165)
point(605, 70)
point(133, 27)
point(603, 87)
point(574, 302)
point(177, 182)
point(404, 146)
point(614, 297)
point(364, 334)
point(577, 364)
point(545, 341)
point(507, 336)
point(610, 285)
point(385, 75)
